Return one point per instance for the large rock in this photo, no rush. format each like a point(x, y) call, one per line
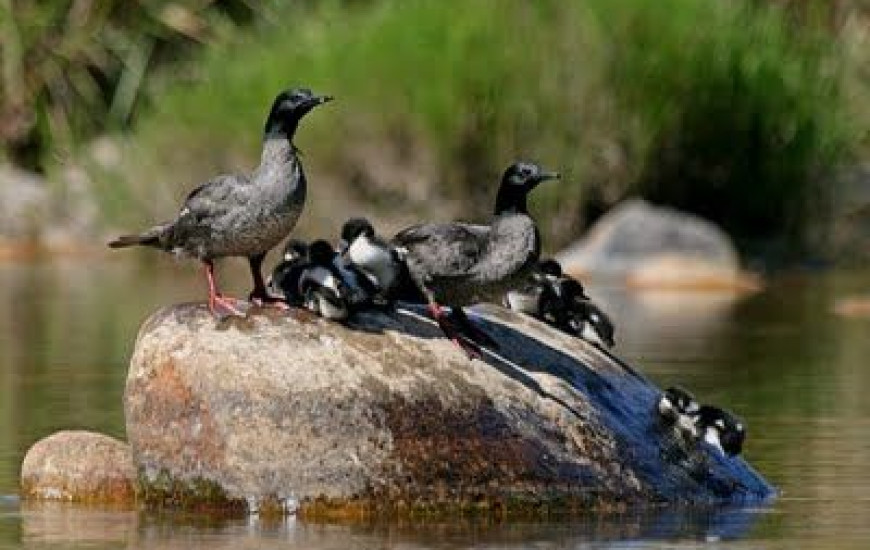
point(79, 466)
point(650, 246)
point(386, 416)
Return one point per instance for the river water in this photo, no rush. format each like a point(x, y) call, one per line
point(797, 373)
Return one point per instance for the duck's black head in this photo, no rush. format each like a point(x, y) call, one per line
point(516, 183)
point(289, 108)
point(321, 253)
point(295, 250)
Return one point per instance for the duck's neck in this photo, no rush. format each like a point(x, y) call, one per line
point(509, 201)
point(278, 148)
point(279, 163)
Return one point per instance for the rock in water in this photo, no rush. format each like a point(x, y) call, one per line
point(653, 246)
point(79, 466)
point(385, 416)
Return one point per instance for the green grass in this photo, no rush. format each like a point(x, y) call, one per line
point(719, 107)
point(744, 114)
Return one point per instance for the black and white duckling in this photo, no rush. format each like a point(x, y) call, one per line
point(284, 280)
point(364, 250)
point(537, 295)
point(720, 429)
point(592, 324)
point(381, 269)
point(322, 289)
point(562, 302)
point(559, 305)
point(678, 407)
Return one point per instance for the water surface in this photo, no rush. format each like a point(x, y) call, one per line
point(797, 373)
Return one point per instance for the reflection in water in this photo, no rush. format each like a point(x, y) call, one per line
point(797, 373)
point(55, 523)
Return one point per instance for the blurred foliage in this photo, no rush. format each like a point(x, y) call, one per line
point(739, 110)
point(71, 68)
point(743, 118)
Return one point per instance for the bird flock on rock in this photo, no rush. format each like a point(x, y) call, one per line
point(446, 266)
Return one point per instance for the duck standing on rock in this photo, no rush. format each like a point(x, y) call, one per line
point(459, 264)
point(242, 215)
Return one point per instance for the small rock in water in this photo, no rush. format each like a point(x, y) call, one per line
point(79, 466)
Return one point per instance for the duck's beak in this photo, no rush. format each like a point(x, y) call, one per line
point(545, 176)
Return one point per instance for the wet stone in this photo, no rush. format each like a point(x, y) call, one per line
point(79, 466)
point(291, 414)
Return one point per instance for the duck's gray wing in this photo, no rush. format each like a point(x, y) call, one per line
point(443, 250)
point(207, 205)
point(218, 196)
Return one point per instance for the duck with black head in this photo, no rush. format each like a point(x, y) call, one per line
point(242, 214)
point(459, 264)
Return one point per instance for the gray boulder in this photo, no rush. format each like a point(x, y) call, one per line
point(79, 466)
point(290, 412)
point(648, 245)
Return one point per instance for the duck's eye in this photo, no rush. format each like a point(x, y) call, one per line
point(720, 423)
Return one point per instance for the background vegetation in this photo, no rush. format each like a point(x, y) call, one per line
point(743, 111)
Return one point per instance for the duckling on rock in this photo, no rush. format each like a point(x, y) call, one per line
point(380, 268)
point(678, 407)
point(284, 280)
point(561, 301)
point(321, 286)
point(720, 429)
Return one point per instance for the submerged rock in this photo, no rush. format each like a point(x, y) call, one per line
point(79, 466)
point(385, 416)
point(651, 246)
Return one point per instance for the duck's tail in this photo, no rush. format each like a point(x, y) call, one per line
point(150, 237)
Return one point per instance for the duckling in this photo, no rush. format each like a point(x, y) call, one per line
point(720, 429)
point(376, 259)
point(536, 297)
point(284, 280)
point(592, 324)
point(320, 284)
point(561, 301)
point(678, 407)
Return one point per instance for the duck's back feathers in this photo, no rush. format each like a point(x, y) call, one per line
point(443, 251)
